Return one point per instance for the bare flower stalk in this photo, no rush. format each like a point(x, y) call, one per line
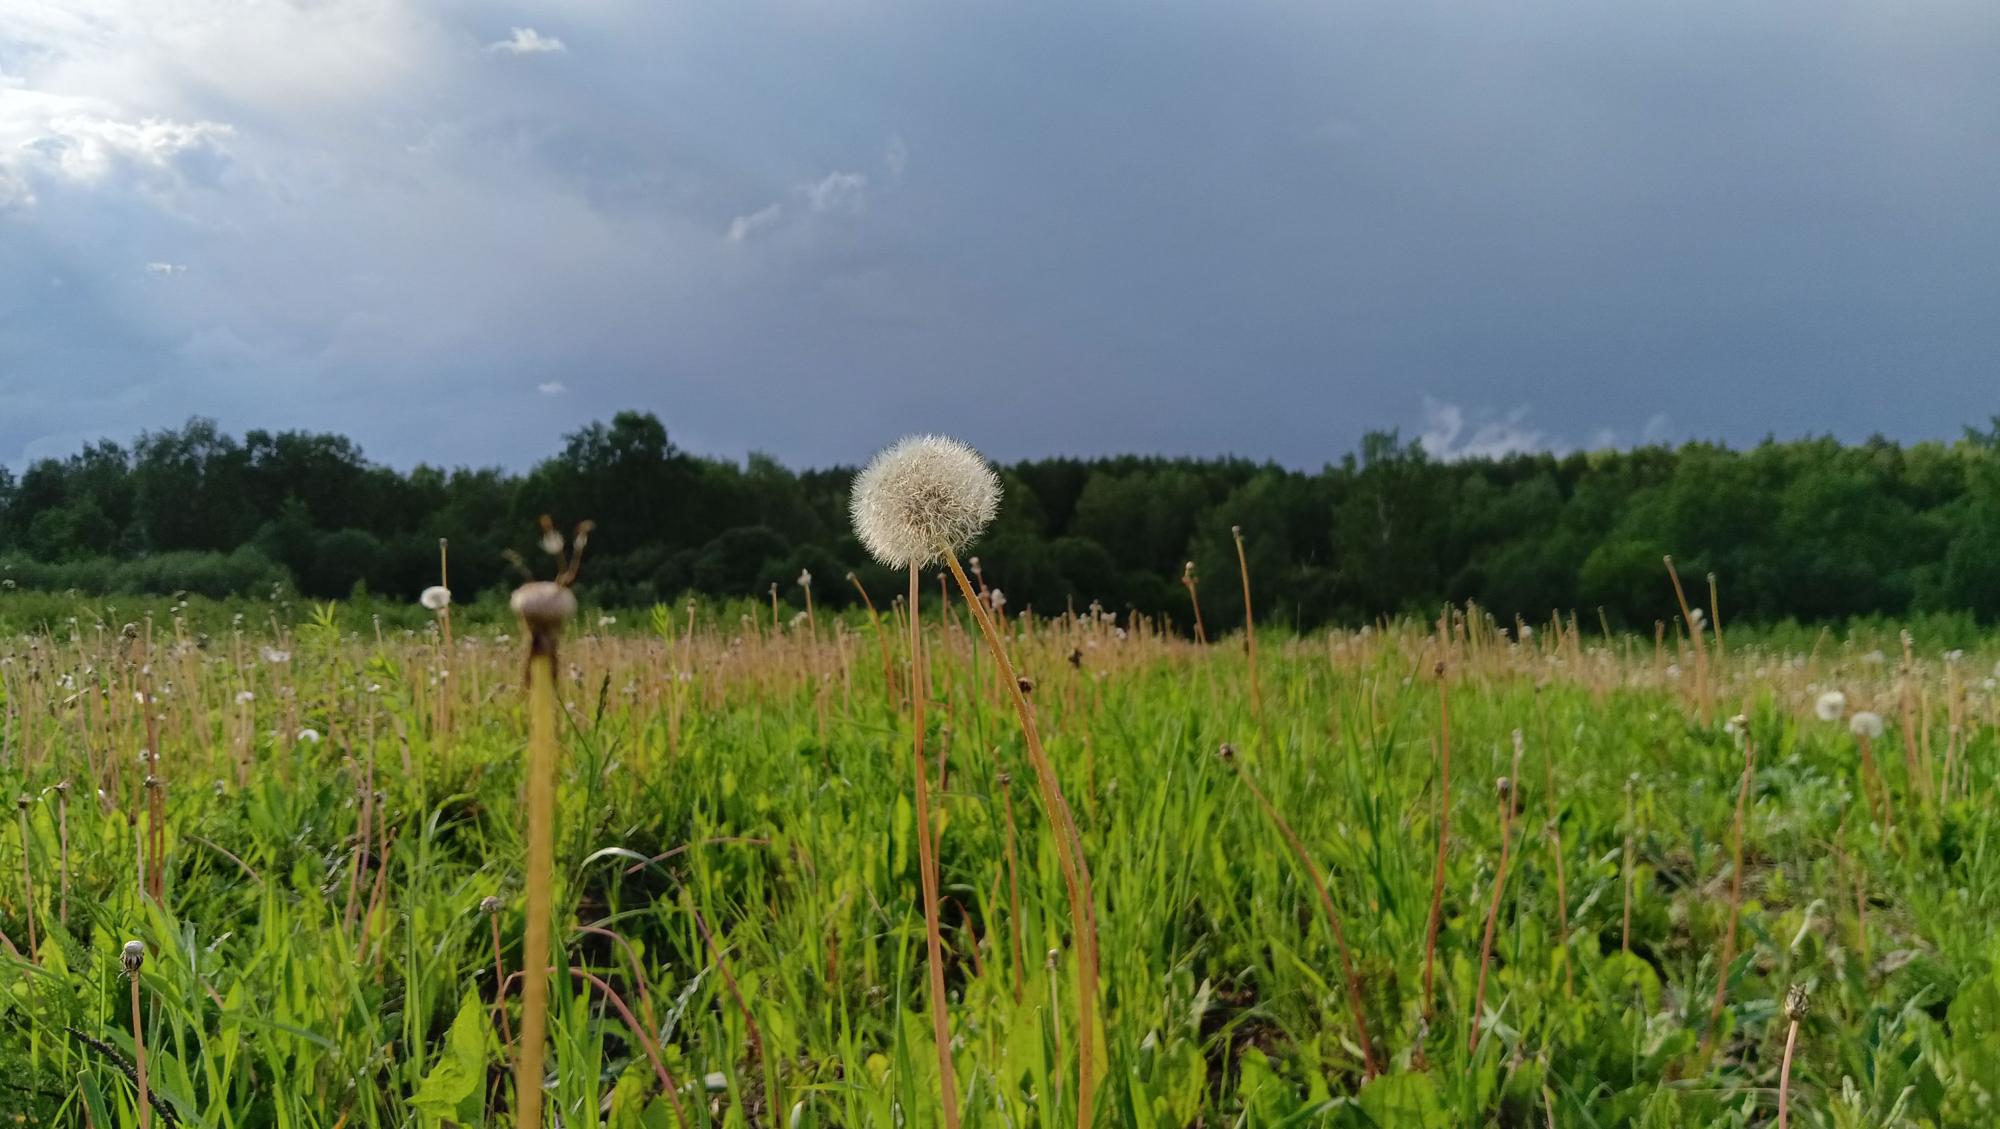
point(1694, 637)
point(1735, 901)
point(1562, 888)
point(1249, 625)
point(1069, 854)
point(1188, 582)
point(1013, 887)
point(927, 865)
point(1505, 788)
point(1443, 839)
point(1797, 1005)
point(544, 607)
point(133, 957)
point(28, 879)
point(1358, 1011)
point(1625, 928)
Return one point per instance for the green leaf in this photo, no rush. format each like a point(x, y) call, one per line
point(1404, 1101)
point(454, 1080)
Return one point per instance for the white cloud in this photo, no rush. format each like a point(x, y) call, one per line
point(1448, 435)
point(755, 223)
point(528, 41)
point(838, 192)
point(165, 270)
point(552, 388)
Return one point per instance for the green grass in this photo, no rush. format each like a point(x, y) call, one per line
point(297, 980)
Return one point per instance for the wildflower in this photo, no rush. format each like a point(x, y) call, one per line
point(309, 736)
point(921, 498)
point(1736, 726)
point(245, 697)
point(552, 542)
point(437, 598)
point(805, 578)
point(275, 655)
point(607, 620)
point(1526, 633)
point(1831, 705)
point(1865, 723)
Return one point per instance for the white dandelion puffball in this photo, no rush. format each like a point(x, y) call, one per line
point(1831, 705)
point(1526, 633)
point(923, 497)
point(309, 736)
point(1865, 723)
point(437, 598)
point(805, 578)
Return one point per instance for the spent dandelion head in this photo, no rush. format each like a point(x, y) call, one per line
point(1831, 706)
point(921, 498)
point(436, 598)
point(132, 956)
point(1865, 723)
point(1798, 1003)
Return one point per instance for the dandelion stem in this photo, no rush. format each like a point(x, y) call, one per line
point(541, 879)
point(1069, 853)
point(927, 865)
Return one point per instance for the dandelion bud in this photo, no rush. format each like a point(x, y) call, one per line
point(1798, 1003)
point(132, 956)
point(1027, 684)
point(921, 498)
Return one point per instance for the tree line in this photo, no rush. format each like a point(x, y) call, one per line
point(1810, 529)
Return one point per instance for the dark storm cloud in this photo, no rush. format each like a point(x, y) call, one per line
point(456, 230)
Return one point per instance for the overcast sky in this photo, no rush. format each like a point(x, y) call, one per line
point(456, 230)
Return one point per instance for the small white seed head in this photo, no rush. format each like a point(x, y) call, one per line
point(132, 956)
point(1865, 723)
point(922, 497)
point(437, 598)
point(1831, 706)
point(543, 605)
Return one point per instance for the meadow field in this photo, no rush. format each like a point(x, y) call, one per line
point(325, 866)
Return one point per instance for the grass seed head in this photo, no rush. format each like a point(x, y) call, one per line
point(922, 497)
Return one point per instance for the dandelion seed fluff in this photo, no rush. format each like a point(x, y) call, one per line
point(1865, 723)
point(437, 598)
point(922, 497)
point(1831, 705)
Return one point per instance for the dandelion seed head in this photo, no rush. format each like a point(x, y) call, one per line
point(437, 598)
point(543, 605)
point(1865, 723)
point(922, 497)
point(552, 542)
point(309, 736)
point(1831, 706)
point(132, 956)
